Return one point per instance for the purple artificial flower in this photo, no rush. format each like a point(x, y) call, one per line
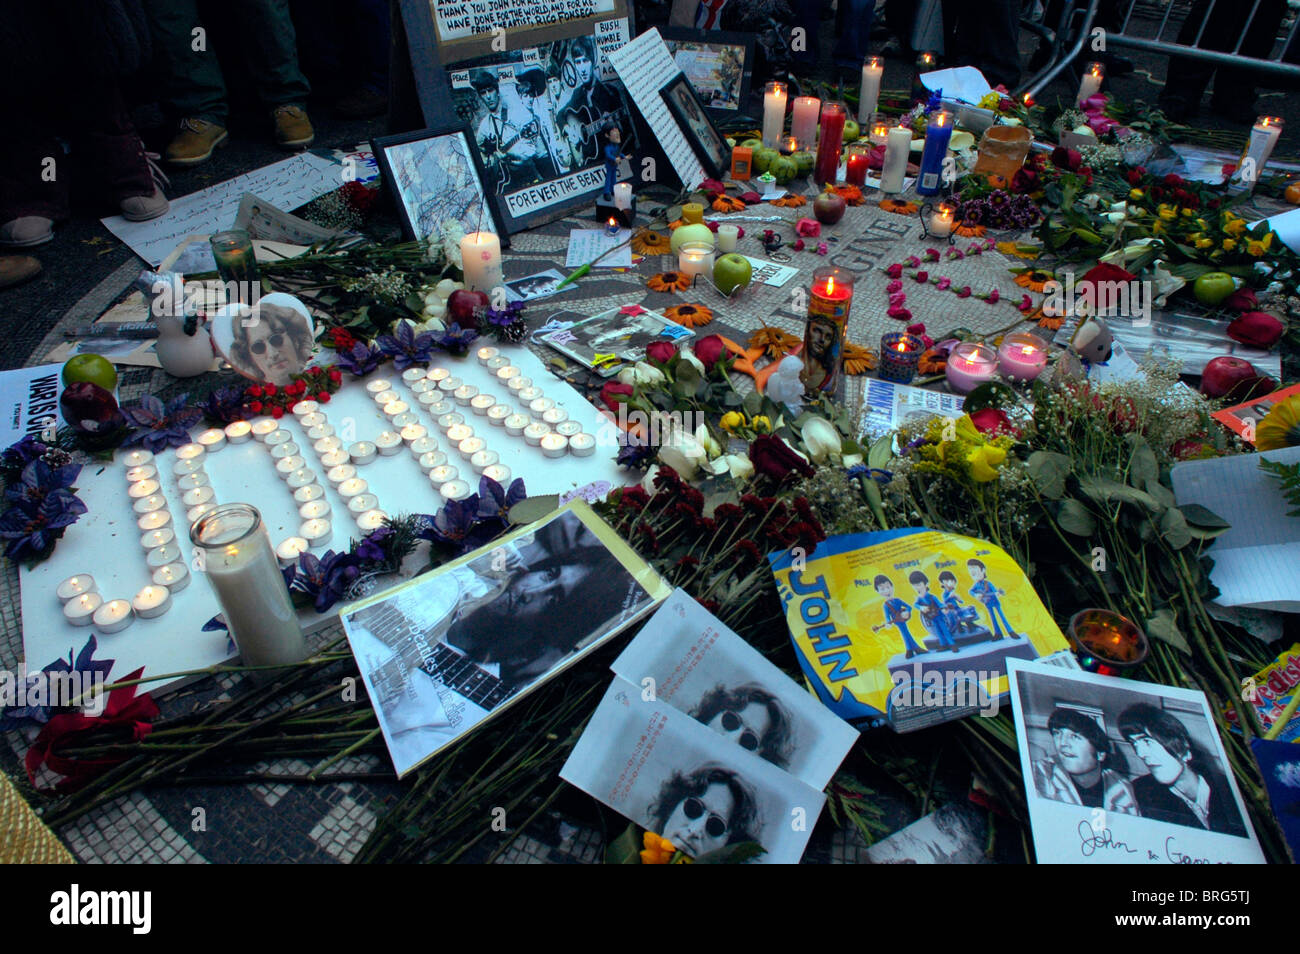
point(42, 509)
point(495, 501)
point(19, 455)
point(158, 426)
point(405, 347)
point(360, 359)
point(224, 406)
point(506, 317)
point(11, 717)
point(328, 579)
point(457, 525)
point(371, 547)
point(456, 340)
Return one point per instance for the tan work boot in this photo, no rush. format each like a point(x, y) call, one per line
point(292, 127)
point(195, 142)
point(17, 268)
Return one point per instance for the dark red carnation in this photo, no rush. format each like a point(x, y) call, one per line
point(772, 456)
point(1258, 329)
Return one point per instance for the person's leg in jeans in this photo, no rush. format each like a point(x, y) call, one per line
point(193, 86)
point(853, 33)
point(808, 17)
point(1234, 87)
point(272, 49)
point(1218, 29)
point(985, 34)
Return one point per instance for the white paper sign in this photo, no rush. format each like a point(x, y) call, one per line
point(586, 245)
point(458, 19)
point(29, 402)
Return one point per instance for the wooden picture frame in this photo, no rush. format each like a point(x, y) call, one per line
point(692, 118)
point(723, 101)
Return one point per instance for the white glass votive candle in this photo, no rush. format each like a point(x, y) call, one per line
point(113, 616)
point(285, 449)
point(515, 424)
point(432, 459)
point(442, 474)
point(264, 426)
point(582, 445)
point(324, 445)
point(553, 445)
point(143, 488)
point(483, 459)
point(389, 442)
point(212, 440)
point(160, 537)
point(75, 586)
point(238, 431)
point(315, 531)
point(151, 601)
point(371, 520)
point(362, 452)
point(161, 556)
point(81, 609)
point(300, 479)
point(303, 408)
point(351, 487)
point(497, 414)
point(287, 465)
point(361, 503)
point(290, 548)
point(470, 446)
point(315, 509)
point(480, 403)
point(174, 576)
point(534, 433)
point(155, 520)
point(336, 475)
point(309, 493)
point(423, 445)
point(143, 472)
point(276, 438)
point(335, 457)
point(136, 457)
point(454, 490)
point(197, 479)
point(149, 504)
point(567, 427)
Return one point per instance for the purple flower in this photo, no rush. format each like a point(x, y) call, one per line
point(372, 547)
point(158, 426)
point(224, 406)
point(506, 317)
point(495, 501)
point(42, 507)
point(456, 340)
point(328, 579)
point(360, 359)
point(19, 455)
point(457, 525)
point(405, 347)
point(86, 665)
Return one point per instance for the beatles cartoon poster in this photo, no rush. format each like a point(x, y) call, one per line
point(911, 627)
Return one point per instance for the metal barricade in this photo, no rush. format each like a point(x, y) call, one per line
point(1157, 26)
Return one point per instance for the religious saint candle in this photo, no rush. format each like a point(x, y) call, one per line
point(1022, 356)
point(774, 100)
point(481, 254)
point(969, 365)
point(937, 134)
point(898, 147)
point(830, 142)
point(873, 71)
point(803, 126)
point(1263, 137)
point(828, 317)
point(1090, 84)
point(899, 354)
point(857, 164)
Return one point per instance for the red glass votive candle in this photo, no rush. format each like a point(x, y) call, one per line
point(855, 164)
point(829, 143)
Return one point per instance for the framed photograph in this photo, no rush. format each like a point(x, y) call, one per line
point(456, 646)
point(436, 177)
point(605, 342)
point(719, 64)
point(686, 108)
point(1125, 772)
point(540, 110)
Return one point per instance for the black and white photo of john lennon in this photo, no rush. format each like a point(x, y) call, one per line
point(540, 114)
point(1127, 752)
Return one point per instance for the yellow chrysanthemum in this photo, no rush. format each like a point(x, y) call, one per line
point(1233, 225)
point(1204, 243)
point(1167, 212)
point(1280, 426)
point(1258, 247)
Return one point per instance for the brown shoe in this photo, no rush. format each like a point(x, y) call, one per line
point(195, 142)
point(292, 127)
point(17, 268)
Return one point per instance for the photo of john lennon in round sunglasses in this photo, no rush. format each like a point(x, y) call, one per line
point(706, 809)
point(752, 717)
point(270, 344)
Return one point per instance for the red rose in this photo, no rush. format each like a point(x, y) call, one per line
point(709, 350)
point(660, 352)
point(1258, 329)
point(1157, 193)
point(277, 412)
point(323, 397)
point(1243, 299)
point(1173, 180)
point(336, 376)
point(1065, 158)
point(772, 456)
point(611, 390)
point(256, 407)
point(1134, 177)
point(1099, 275)
point(991, 420)
point(254, 392)
point(271, 390)
point(808, 228)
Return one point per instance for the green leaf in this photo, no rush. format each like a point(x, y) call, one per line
point(625, 849)
point(1162, 493)
point(1164, 627)
point(882, 451)
point(1173, 527)
point(1074, 518)
point(534, 508)
point(687, 377)
point(1142, 465)
point(1102, 490)
point(989, 394)
point(735, 854)
point(1049, 471)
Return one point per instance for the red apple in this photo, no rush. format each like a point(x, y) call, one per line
point(465, 307)
point(829, 208)
point(1226, 376)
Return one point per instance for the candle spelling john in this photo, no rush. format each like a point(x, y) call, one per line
point(823, 339)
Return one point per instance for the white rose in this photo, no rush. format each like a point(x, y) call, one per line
point(641, 374)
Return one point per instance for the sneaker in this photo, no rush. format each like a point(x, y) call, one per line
point(292, 127)
point(26, 231)
point(195, 142)
point(17, 268)
point(142, 208)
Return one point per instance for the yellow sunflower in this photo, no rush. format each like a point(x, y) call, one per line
point(650, 242)
point(669, 282)
point(1280, 426)
point(931, 362)
point(691, 316)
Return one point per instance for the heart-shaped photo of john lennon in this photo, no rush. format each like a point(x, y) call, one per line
point(268, 342)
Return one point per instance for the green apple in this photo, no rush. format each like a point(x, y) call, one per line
point(691, 233)
point(1213, 287)
point(805, 161)
point(764, 156)
point(730, 272)
point(851, 130)
point(783, 169)
point(92, 369)
point(755, 144)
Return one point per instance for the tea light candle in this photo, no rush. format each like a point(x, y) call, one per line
point(405, 420)
point(483, 459)
point(303, 408)
point(480, 404)
point(362, 453)
point(459, 432)
point(582, 445)
point(277, 438)
point(496, 364)
point(81, 609)
point(803, 124)
point(498, 472)
point(194, 513)
point(211, 440)
point(238, 432)
point(519, 383)
point(454, 490)
point(464, 394)
point(553, 445)
point(264, 426)
point(308, 493)
point(152, 539)
point(161, 556)
point(515, 424)
point(526, 396)
point(151, 601)
point(554, 416)
point(423, 386)
point(142, 488)
point(290, 548)
point(432, 459)
point(314, 419)
point(283, 450)
point(969, 365)
point(940, 224)
point(1022, 357)
point(509, 371)
point(430, 398)
point(873, 71)
point(440, 408)
point(155, 520)
point(384, 397)
point(481, 254)
point(191, 466)
point(75, 586)
point(143, 472)
point(413, 432)
point(315, 531)
point(449, 385)
point(566, 427)
point(388, 442)
point(174, 576)
point(486, 354)
point(190, 452)
point(470, 446)
point(371, 520)
point(113, 616)
point(497, 413)
point(411, 375)
point(539, 406)
point(351, 487)
point(314, 509)
point(287, 465)
point(149, 504)
point(394, 408)
point(336, 475)
point(437, 375)
point(196, 479)
point(423, 445)
point(728, 235)
point(300, 479)
point(136, 457)
point(199, 495)
point(442, 474)
point(774, 101)
point(534, 433)
point(326, 444)
point(361, 503)
point(320, 432)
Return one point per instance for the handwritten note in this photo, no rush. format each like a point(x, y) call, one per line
point(287, 185)
point(586, 245)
